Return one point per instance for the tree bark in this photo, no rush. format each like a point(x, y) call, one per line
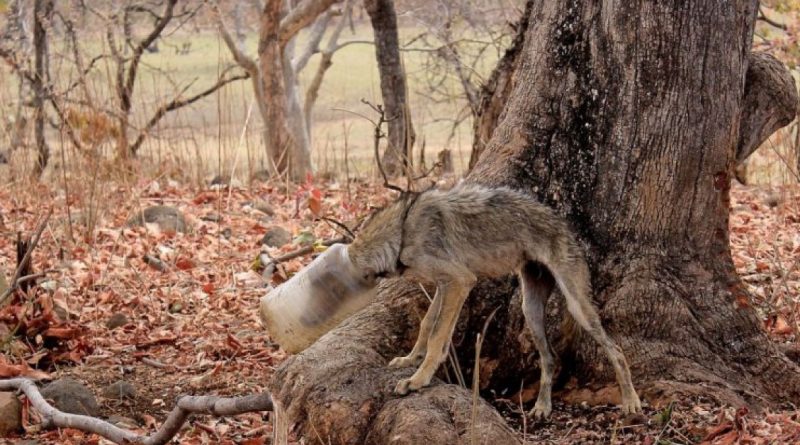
point(625, 118)
point(393, 86)
point(494, 93)
point(42, 13)
point(770, 103)
point(615, 110)
point(18, 33)
point(296, 119)
point(282, 148)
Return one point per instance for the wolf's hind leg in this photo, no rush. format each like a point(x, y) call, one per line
point(416, 355)
point(536, 287)
point(573, 280)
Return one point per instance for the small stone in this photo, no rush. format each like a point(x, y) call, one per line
point(117, 320)
point(120, 390)
point(71, 396)
point(3, 158)
point(175, 307)
point(212, 217)
point(10, 414)
point(773, 199)
point(264, 208)
point(276, 236)
point(227, 232)
point(61, 312)
point(220, 180)
point(260, 175)
point(167, 218)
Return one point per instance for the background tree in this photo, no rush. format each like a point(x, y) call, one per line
point(42, 16)
point(635, 108)
point(275, 77)
point(397, 156)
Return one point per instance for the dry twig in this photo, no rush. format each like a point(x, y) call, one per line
point(15, 280)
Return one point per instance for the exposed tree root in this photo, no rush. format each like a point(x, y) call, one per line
point(339, 390)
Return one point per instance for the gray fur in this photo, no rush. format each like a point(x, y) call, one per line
point(452, 238)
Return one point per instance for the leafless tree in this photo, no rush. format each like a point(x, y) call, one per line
point(397, 156)
point(275, 75)
point(126, 51)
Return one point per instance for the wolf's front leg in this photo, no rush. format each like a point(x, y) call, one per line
point(453, 293)
point(421, 346)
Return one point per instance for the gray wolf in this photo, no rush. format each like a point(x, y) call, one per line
point(451, 238)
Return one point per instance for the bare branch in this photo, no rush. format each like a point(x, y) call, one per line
point(763, 17)
point(139, 50)
point(299, 252)
point(237, 52)
point(186, 406)
point(312, 92)
point(15, 280)
point(314, 39)
point(178, 103)
point(301, 16)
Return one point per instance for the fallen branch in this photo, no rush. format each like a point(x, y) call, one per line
point(299, 252)
point(186, 406)
point(15, 280)
point(155, 263)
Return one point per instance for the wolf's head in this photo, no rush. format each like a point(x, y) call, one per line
point(376, 249)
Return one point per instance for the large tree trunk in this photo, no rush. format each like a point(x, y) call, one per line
point(393, 86)
point(625, 117)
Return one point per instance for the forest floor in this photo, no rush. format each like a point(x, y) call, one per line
point(193, 328)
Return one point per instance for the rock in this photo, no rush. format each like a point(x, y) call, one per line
point(61, 312)
point(3, 158)
point(276, 236)
point(120, 390)
point(117, 320)
point(773, 199)
point(260, 175)
point(10, 414)
point(167, 218)
point(71, 396)
point(227, 232)
point(212, 217)
point(264, 208)
point(220, 180)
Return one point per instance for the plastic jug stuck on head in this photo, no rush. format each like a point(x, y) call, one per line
point(315, 300)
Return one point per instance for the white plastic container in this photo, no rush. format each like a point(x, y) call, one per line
point(315, 300)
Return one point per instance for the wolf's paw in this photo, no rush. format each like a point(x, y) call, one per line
point(541, 410)
point(631, 404)
point(408, 385)
point(404, 362)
